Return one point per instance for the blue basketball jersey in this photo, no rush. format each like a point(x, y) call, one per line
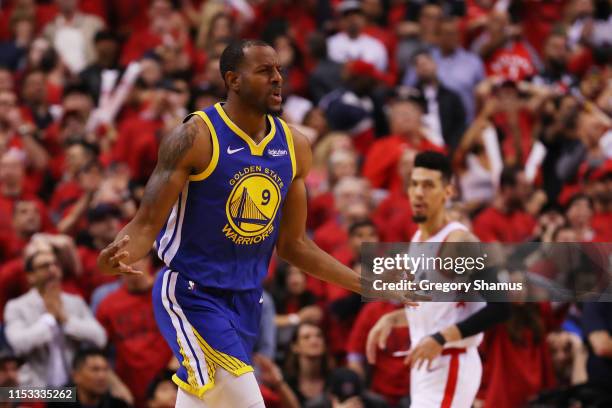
point(223, 227)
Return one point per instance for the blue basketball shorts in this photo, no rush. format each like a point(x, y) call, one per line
point(206, 328)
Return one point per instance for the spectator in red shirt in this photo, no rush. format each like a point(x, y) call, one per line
point(78, 155)
point(164, 107)
point(517, 364)
point(20, 133)
point(393, 216)
point(579, 215)
point(503, 50)
point(341, 163)
point(506, 220)
point(26, 222)
point(351, 200)
point(71, 218)
point(381, 162)
point(167, 34)
point(388, 375)
point(11, 185)
point(127, 317)
point(291, 59)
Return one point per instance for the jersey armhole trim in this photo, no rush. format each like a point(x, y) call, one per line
point(289, 137)
point(215, 148)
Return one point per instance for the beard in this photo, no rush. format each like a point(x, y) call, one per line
point(419, 219)
point(272, 112)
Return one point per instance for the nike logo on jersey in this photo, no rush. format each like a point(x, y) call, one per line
point(232, 151)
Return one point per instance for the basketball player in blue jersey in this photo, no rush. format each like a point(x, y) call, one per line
point(227, 189)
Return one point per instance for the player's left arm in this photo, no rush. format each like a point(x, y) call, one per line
point(293, 244)
point(490, 315)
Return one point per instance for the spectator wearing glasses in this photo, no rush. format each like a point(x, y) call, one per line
point(46, 326)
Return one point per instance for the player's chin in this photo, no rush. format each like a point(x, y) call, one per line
point(419, 218)
point(275, 110)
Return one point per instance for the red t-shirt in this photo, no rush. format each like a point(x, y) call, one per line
point(602, 224)
point(64, 196)
point(331, 236)
point(382, 159)
point(6, 212)
point(137, 146)
point(320, 210)
point(511, 62)
point(390, 377)
point(492, 225)
point(514, 373)
point(141, 351)
point(11, 245)
point(13, 282)
point(394, 218)
point(538, 19)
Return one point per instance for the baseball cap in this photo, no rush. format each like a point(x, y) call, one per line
point(344, 384)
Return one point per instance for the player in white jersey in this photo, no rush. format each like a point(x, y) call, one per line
point(445, 365)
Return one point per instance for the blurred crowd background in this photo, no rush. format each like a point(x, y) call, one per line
point(518, 93)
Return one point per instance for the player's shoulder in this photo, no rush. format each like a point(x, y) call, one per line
point(303, 153)
point(300, 141)
point(462, 235)
point(188, 145)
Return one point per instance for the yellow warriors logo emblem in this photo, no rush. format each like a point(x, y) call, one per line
point(251, 208)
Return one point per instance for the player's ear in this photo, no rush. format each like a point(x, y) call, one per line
point(449, 190)
point(232, 81)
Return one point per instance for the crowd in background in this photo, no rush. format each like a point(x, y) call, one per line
point(518, 94)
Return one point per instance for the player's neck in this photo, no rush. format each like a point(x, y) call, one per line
point(252, 123)
point(432, 225)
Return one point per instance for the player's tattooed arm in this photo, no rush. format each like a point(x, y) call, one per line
point(185, 150)
point(173, 149)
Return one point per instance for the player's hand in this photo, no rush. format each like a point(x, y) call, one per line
point(111, 257)
point(425, 352)
point(377, 338)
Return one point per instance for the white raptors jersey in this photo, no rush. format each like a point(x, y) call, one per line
point(431, 317)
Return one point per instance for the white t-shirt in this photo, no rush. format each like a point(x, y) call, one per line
point(341, 48)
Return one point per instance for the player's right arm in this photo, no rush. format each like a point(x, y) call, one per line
point(377, 338)
point(185, 151)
